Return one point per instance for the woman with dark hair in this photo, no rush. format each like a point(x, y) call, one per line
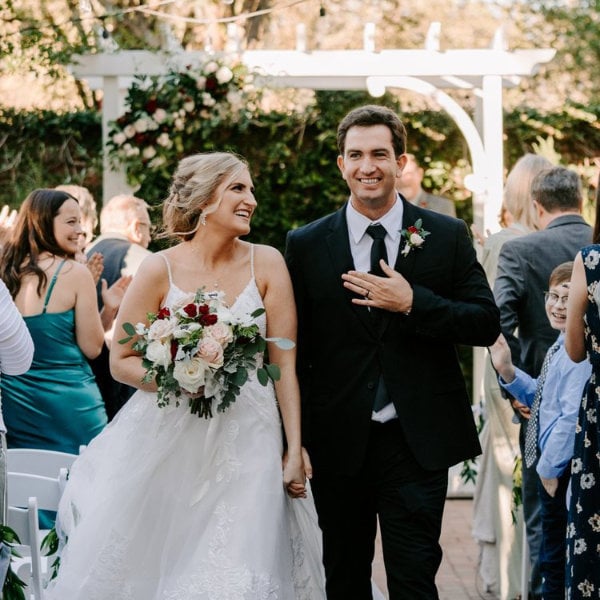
point(55, 405)
point(581, 342)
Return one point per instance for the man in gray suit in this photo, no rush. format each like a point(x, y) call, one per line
point(524, 267)
point(409, 185)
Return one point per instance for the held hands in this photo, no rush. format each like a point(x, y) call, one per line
point(392, 292)
point(297, 469)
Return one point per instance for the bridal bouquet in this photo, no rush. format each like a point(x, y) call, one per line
point(199, 350)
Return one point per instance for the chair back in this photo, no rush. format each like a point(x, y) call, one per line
point(28, 567)
point(22, 486)
point(47, 463)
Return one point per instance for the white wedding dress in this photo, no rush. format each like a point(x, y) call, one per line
point(165, 505)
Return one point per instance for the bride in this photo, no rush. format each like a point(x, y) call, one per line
point(164, 505)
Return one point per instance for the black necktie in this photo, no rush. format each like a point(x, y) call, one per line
point(378, 251)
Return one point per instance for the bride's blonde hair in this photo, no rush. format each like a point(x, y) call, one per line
point(193, 189)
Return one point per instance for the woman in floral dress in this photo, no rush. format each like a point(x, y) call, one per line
point(583, 338)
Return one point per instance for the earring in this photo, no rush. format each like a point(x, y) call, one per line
point(202, 219)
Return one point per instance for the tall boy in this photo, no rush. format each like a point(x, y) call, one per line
point(553, 401)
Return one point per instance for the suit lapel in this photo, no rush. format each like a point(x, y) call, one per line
point(338, 243)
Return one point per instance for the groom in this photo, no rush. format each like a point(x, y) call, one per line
point(385, 407)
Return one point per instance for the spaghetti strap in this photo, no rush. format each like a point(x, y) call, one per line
point(252, 260)
point(51, 286)
point(168, 268)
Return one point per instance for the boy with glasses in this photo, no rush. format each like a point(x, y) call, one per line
point(551, 402)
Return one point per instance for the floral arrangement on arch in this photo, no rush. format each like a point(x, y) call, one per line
point(164, 113)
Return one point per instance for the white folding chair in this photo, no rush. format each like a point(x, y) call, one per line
point(24, 521)
point(22, 489)
point(47, 463)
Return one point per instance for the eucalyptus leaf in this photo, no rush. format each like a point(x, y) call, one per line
point(283, 343)
point(274, 372)
point(262, 376)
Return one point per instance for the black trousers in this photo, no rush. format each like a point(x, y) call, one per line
point(409, 502)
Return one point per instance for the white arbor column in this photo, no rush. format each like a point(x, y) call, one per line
point(114, 181)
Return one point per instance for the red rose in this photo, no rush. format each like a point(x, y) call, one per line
point(151, 105)
point(208, 320)
point(174, 348)
point(164, 313)
point(204, 309)
point(191, 310)
point(413, 229)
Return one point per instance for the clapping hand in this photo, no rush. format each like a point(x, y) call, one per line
point(113, 295)
point(392, 292)
point(95, 263)
point(8, 216)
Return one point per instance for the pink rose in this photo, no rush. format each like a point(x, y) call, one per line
point(211, 352)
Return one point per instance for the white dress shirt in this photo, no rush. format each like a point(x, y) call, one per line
point(360, 247)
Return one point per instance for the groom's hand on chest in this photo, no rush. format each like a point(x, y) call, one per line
point(391, 292)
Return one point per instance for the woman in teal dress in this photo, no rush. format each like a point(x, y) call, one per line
point(56, 405)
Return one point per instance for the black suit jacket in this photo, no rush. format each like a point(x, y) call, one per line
point(341, 354)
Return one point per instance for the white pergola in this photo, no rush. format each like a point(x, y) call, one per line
point(428, 72)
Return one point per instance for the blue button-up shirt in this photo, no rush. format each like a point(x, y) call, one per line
point(559, 407)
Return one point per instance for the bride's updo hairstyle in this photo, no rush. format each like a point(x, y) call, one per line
point(192, 195)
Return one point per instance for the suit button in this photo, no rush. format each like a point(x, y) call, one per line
point(370, 385)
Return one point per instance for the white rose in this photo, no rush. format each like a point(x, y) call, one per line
point(149, 152)
point(119, 138)
point(131, 150)
point(224, 75)
point(211, 67)
point(190, 374)
point(129, 131)
point(179, 124)
point(164, 140)
point(141, 125)
point(161, 329)
point(200, 82)
point(140, 329)
point(159, 354)
point(160, 114)
point(416, 240)
point(189, 106)
point(208, 100)
point(159, 161)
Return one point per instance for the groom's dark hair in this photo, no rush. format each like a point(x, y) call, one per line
point(371, 114)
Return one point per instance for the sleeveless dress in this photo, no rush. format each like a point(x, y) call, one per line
point(56, 405)
point(583, 525)
point(165, 505)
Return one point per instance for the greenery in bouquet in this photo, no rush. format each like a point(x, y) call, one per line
point(163, 113)
point(199, 350)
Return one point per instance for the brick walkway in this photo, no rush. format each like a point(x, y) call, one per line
point(457, 577)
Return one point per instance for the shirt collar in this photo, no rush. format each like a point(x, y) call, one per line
point(358, 223)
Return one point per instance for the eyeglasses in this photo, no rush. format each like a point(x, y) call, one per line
point(552, 298)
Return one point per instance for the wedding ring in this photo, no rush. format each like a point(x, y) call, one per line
point(367, 294)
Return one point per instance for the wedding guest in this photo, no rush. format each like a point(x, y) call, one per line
point(125, 229)
point(553, 400)
point(89, 220)
point(583, 331)
point(55, 405)
point(16, 354)
point(497, 523)
point(385, 290)
point(227, 527)
point(410, 186)
point(524, 267)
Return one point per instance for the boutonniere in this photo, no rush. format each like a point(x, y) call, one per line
point(414, 237)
